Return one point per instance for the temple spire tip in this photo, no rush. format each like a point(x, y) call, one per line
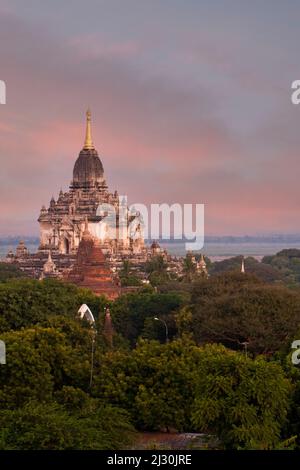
point(88, 143)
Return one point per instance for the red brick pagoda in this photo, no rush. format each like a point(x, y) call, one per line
point(91, 269)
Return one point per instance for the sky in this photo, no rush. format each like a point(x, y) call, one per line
point(190, 100)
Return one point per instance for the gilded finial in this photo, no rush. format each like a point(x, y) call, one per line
point(88, 143)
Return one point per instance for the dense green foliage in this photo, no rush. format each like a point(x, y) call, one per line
point(10, 271)
point(245, 401)
point(182, 386)
point(127, 276)
point(50, 426)
point(262, 270)
point(27, 302)
point(153, 381)
point(46, 401)
point(132, 313)
point(234, 308)
point(156, 268)
point(44, 392)
point(287, 263)
point(41, 361)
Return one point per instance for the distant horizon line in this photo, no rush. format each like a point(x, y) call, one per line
point(281, 237)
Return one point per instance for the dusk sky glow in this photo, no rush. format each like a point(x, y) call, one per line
point(190, 100)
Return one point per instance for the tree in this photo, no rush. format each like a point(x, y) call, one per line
point(261, 270)
point(41, 361)
point(127, 277)
point(207, 389)
point(154, 382)
point(156, 267)
point(244, 401)
point(287, 263)
point(292, 428)
point(10, 271)
point(129, 312)
point(50, 426)
point(156, 264)
point(25, 303)
point(184, 320)
point(234, 308)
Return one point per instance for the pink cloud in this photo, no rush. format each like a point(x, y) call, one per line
point(159, 139)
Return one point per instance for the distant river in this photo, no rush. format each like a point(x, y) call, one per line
point(219, 251)
point(215, 250)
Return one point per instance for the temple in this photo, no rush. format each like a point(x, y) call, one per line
point(88, 233)
point(62, 224)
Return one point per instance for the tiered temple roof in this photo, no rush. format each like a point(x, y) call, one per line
point(91, 269)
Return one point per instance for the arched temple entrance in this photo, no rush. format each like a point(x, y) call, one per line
point(66, 247)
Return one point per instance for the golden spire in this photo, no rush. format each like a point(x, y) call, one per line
point(88, 143)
